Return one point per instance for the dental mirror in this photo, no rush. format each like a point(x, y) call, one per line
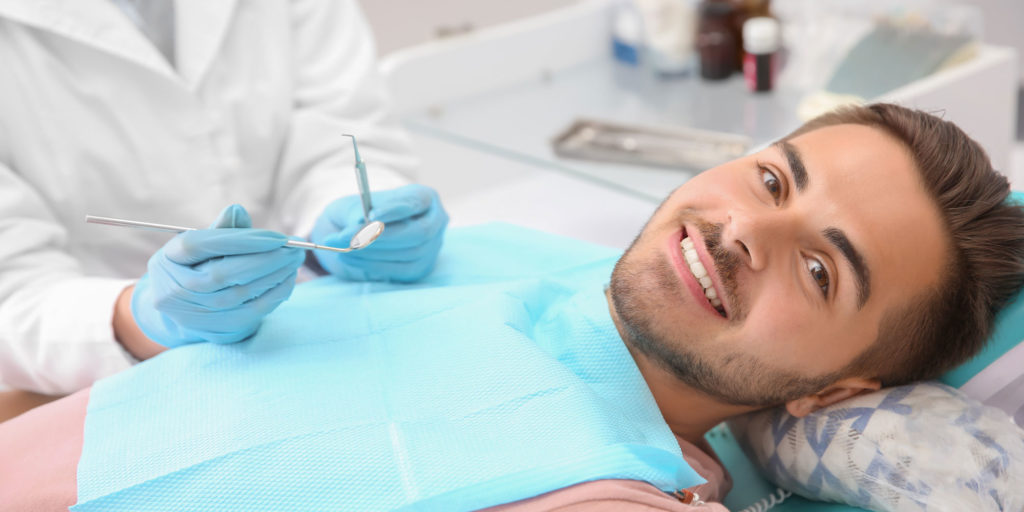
point(366, 235)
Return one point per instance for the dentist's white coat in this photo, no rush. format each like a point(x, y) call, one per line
point(93, 120)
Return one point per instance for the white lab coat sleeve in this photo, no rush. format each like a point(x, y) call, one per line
point(56, 334)
point(337, 90)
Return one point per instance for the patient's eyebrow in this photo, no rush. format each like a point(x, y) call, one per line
point(835, 236)
point(839, 239)
point(796, 164)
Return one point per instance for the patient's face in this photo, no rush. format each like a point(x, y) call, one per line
point(806, 245)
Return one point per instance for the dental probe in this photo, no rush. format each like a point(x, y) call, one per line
point(364, 184)
point(364, 237)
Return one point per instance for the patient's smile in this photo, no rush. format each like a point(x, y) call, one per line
point(699, 272)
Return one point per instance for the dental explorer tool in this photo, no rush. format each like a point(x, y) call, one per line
point(364, 185)
point(364, 237)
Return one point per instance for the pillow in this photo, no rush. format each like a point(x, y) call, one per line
point(920, 447)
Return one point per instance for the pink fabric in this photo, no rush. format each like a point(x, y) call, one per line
point(633, 495)
point(39, 456)
point(39, 453)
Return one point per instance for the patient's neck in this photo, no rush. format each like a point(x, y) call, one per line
point(688, 412)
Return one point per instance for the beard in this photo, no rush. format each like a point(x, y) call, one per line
point(644, 293)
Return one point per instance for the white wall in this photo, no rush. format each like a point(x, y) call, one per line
point(402, 23)
point(1003, 20)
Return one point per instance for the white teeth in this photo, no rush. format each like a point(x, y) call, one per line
point(699, 272)
point(690, 254)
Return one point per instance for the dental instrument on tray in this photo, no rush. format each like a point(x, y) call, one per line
point(363, 238)
point(672, 147)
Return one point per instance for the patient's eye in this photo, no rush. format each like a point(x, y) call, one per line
point(771, 182)
point(820, 275)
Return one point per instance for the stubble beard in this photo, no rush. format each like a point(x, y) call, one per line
point(643, 291)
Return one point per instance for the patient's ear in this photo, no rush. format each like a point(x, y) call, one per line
point(839, 390)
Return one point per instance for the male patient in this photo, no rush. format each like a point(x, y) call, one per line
point(872, 247)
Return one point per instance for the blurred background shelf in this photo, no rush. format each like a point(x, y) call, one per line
point(497, 96)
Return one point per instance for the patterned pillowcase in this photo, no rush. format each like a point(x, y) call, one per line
point(923, 446)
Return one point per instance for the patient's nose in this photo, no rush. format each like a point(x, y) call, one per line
point(757, 236)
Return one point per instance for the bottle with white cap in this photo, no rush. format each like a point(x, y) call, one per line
point(627, 32)
point(761, 45)
point(670, 28)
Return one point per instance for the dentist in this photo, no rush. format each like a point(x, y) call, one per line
point(167, 111)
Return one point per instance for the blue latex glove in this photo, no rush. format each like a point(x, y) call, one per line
point(407, 250)
point(215, 284)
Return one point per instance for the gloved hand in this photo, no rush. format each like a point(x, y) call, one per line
point(215, 284)
point(407, 250)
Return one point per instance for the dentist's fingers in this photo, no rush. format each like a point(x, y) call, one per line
point(402, 203)
point(192, 247)
point(222, 272)
point(407, 254)
point(234, 216)
point(238, 295)
point(398, 235)
point(242, 322)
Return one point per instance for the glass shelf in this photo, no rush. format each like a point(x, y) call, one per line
point(519, 121)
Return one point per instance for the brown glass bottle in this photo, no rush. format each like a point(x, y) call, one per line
point(745, 9)
point(716, 40)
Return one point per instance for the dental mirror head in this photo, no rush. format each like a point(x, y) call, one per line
point(366, 235)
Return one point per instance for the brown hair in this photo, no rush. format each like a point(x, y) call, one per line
point(947, 325)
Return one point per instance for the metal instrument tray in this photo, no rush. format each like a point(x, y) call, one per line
point(679, 148)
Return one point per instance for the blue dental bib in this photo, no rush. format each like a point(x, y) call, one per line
point(500, 378)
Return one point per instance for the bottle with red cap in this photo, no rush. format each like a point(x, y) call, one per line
point(761, 47)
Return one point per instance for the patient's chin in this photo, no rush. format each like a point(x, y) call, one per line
point(737, 379)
